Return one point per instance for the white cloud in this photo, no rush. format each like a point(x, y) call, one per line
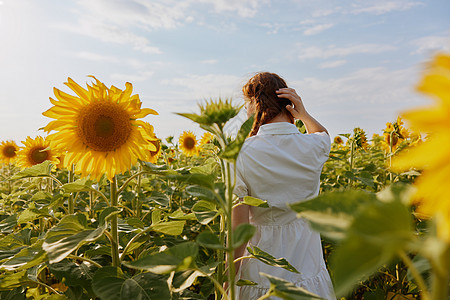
point(333, 51)
point(96, 57)
point(209, 61)
point(244, 8)
point(428, 44)
point(382, 7)
point(317, 29)
point(135, 77)
point(332, 64)
point(210, 85)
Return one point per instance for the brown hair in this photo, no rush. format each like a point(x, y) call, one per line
point(261, 89)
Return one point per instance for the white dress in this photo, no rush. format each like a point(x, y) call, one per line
point(282, 165)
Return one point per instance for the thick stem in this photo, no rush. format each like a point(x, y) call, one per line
point(230, 250)
point(220, 254)
point(391, 146)
point(114, 225)
point(352, 153)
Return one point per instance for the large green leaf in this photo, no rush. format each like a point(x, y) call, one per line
point(270, 260)
point(73, 273)
point(7, 225)
point(287, 290)
point(201, 192)
point(332, 213)
point(26, 258)
point(68, 235)
point(176, 258)
point(170, 227)
point(205, 211)
point(111, 283)
point(231, 151)
point(12, 280)
point(377, 233)
point(31, 214)
point(209, 240)
point(40, 170)
point(80, 185)
point(242, 234)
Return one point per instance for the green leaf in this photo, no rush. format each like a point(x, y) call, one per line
point(41, 170)
point(204, 211)
point(183, 280)
point(242, 282)
point(332, 213)
point(107, 213)
point(270, 260)
point(26, 258)
point(68, 235)
point(231, 151)
point(110, 283)
point(12, 280)
point(159, 198)
point(176, 258)
point(252, 201)
point(80, 185)
point(170, 227)
point(242, 234)
point(201, 192)
point(209, 240)
point(73, 274)
point(7, 225)
point(374, 238)
point(31, 214)
point(287, 290)
point(179, 215)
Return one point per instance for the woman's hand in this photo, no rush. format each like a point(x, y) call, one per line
point(297, 110)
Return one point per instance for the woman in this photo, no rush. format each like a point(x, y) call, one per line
point(279, 164)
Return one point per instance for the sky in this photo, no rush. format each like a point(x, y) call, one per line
point(355, 63)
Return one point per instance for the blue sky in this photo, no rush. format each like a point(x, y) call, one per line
point(355, 63)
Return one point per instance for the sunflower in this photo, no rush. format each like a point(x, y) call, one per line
point(8, 151)
point(98, 128)
point(206, 138)
point(35, 151)
point(150, 137)
point(360, 139)
point(188, 143)
point(432, 155)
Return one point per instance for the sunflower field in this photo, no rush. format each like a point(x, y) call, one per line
point(101, 208)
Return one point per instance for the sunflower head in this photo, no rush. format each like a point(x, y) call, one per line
point(214, 112)
point(35, 151)
point(8, 151)
point(338, 140)
point(98, 128)
point(188, 143)
point(153, 143)
point(206, 138)
point(360, 138)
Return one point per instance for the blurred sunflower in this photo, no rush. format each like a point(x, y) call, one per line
point(98, 128)
point(150, 137)
point(360, 138)
point(8, 151)
point(432, 155)
point(206, 138)
point(35, 151)
point(188, 143)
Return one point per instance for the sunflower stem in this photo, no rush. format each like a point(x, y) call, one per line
point(71, 199)
point(114, 224)
point(230, 250)
point(352, 154)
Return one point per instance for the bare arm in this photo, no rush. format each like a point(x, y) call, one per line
point(240, 215)
point(299, 112)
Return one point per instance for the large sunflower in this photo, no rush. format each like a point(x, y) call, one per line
point(35, 151)
point(98, 128)
point(432, 156)
point(188, 143)
point(8, 151)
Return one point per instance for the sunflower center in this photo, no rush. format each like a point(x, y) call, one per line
point(104, 126)
point(37, 155)
point(9, 151)
point(189, 143)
